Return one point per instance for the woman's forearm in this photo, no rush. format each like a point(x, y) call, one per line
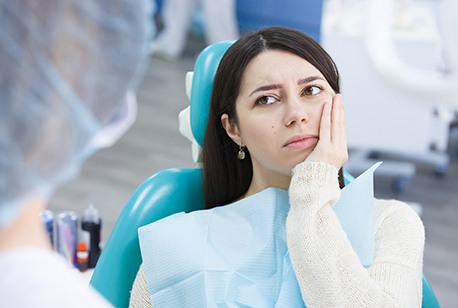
point(327, 268)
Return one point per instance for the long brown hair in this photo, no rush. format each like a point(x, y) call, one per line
point(225, 178)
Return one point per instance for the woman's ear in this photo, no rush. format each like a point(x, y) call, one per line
point(232, 129)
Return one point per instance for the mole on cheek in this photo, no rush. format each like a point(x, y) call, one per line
point(273, 127)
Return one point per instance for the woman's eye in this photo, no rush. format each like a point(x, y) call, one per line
point(265, 100)
point(312, 90)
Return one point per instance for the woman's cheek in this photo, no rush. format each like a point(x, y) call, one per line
point(274, 130)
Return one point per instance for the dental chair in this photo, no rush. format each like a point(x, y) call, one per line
point(168, 192)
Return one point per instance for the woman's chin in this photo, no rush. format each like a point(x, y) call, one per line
point(300, 158)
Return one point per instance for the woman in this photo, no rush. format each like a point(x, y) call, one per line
point(276, 121)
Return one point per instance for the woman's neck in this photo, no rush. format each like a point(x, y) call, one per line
point(261, 182)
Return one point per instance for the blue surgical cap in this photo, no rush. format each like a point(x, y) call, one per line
point(65, 68)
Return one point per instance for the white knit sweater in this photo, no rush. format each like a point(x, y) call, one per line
point(327, 268)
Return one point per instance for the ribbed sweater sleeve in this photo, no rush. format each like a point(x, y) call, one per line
point(139, 296)
point(327, 268)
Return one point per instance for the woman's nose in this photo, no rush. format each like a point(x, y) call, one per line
point(295, 112)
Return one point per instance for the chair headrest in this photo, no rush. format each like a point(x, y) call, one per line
point(201, 88)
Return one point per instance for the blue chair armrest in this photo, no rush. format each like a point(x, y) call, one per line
point(165, 193)
point(429, 298)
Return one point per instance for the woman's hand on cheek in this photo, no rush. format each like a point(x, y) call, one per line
point(332, 144)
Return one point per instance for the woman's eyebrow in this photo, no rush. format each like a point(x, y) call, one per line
point(309, 79)
point(266, 88)
point(279, 86)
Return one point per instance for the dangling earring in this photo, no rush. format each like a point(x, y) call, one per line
point(241, 153)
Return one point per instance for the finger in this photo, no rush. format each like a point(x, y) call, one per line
point(337, 120)
point(342, 127)
point(325, 123)
point(339, 100)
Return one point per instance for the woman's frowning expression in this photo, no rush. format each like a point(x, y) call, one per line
point(278, 111)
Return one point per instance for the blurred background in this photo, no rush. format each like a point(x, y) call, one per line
point(413, 128)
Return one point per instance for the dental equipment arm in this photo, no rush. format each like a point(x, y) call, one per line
point(436, 87)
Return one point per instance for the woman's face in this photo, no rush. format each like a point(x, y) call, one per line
point(278, 110)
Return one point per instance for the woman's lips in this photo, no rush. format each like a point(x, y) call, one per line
point(301, 142)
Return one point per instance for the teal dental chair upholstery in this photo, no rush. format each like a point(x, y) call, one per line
point(165, 193)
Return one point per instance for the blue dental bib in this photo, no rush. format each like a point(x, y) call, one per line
point(236, 255)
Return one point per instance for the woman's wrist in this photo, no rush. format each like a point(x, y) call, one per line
point(313, 183)
point(315, 171)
